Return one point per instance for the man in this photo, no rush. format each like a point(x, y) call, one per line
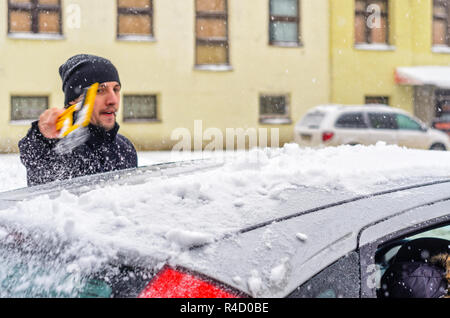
point(105, 150)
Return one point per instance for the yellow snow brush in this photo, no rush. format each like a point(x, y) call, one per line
point(72, 123)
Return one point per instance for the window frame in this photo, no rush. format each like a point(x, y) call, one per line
point(136, 12)
point(25, 120)
point(141, 120)
point(384, 99)
point(34, 8)
point(367, 30)
point(275, 118)
point(290, 19)
point(446, 20)
point(367, 251)
point(212, 41)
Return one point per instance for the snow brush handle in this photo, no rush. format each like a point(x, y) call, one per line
point(84, 110)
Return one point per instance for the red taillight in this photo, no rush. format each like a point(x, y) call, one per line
point(327, 135)
point(172, 283)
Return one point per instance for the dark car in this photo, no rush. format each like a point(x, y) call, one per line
point(309, 242)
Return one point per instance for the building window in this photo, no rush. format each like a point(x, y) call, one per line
point(34, 16)
point(140, 108)
point(284, 24)
point(211, 31)
point(441, 22)
point(371, 22)
point(383, 100)
point(27, 107)
point(135, 18)
point(274, 109)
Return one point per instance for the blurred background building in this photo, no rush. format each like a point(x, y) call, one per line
point(393, 52)
point(229, 63)
point(246, 64)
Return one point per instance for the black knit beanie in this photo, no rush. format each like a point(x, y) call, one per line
point(83, 70)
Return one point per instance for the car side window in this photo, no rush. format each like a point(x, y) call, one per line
point(351, 120)
point(340, 279)
point(401, 264)
point(383, 121)
point(407, 123)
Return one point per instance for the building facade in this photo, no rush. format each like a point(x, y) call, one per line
point(391, 51)
point(235, 64)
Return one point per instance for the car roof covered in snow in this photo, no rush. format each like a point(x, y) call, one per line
point(356, 107)
point(300, 207)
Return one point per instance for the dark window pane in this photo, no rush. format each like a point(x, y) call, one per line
point(383, 121)
point(383, 100)
point(273, 105)
point(351, 120)
point(140, 107)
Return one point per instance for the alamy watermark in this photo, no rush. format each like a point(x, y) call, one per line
point(212, 139)
point(374, 18)
point(73, 16)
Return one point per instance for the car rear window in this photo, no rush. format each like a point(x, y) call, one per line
point(351, 120)
point(383, 121)
point(312, 120)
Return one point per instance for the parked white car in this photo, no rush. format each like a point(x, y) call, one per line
point(333, 125)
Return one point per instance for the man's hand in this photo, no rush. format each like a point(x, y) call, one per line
point(47, 122)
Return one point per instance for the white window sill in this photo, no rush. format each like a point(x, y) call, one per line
point(440, 49)
point(35, 36)
point(275, 120)
point(136, 38)
point(214, 68)
point(374, 47)
point(286, 44)
point(25, 122)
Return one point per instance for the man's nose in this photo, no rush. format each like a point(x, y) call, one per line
point(111, 97)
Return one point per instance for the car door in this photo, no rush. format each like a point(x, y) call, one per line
point(410, 133)
point(381, 242)
point(383, 127)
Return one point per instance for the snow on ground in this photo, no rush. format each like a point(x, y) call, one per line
point(166, 215)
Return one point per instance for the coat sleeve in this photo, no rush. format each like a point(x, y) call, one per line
point(36, 153)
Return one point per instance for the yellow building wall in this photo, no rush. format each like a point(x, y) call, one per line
point(360, 72)
point(165, 67)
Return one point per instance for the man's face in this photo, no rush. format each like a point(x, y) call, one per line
point(106, 105)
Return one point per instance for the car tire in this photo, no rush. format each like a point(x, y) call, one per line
point(438, 146)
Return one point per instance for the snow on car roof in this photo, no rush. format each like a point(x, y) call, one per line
point(164, 214)
point(355, 107)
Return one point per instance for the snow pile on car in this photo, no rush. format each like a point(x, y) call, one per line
point(167, 215)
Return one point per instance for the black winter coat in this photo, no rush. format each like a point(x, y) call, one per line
point(104, 151)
